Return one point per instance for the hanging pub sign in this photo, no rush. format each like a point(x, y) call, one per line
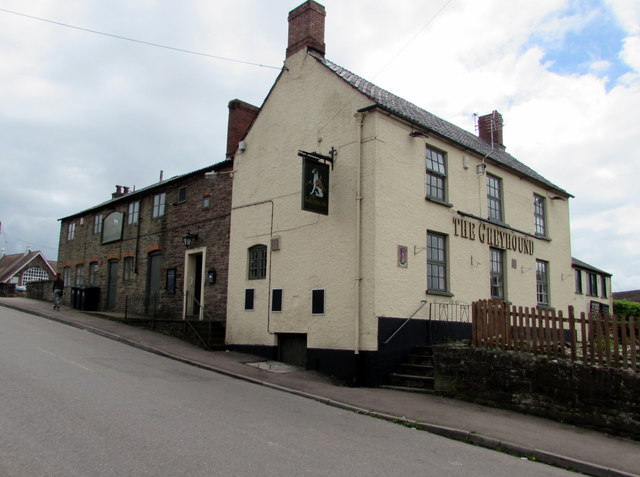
point(315, 183)
point(112, 227)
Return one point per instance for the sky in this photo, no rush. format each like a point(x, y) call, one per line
point(82, 112)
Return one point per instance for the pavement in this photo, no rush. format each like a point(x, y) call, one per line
point(582, 450)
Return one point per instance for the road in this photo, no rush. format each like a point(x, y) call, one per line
point(76, 404)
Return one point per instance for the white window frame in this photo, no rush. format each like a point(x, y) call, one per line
point(159, 201)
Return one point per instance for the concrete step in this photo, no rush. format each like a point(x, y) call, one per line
point(411, 380)
point(416, 369)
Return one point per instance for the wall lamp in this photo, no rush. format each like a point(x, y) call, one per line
point(189, 238)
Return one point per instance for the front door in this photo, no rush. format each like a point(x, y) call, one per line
point(153, 281)
point(193, 284)
point(112, 284)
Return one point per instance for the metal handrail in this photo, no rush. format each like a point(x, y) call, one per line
point(422, 303)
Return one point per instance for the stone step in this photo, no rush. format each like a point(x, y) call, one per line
point(411, 380)
point(419, 359)
point(416, 369)
point(408, 389)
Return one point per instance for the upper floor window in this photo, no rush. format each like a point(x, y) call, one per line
point(436, 262)
point(71, 231)
point(603, 283)
point(592, 284)
point(257, 262)
point(579, 281)
point(206, 201)
point(134, 212)
point(542, 282)
point(97, 224)
point(539, 214)
point(494, 197)
point(496, 257)
point(182, 194)
point(158, 205)
point(436, 175)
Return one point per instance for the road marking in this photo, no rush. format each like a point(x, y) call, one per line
point(66, 360)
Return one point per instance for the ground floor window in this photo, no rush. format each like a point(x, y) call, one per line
point(276, 300)
point(436, 262)
point(249, 296)
point(542, 282)
point(496, 257)
point(317, 302)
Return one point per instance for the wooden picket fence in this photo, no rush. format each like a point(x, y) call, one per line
point(591, 339)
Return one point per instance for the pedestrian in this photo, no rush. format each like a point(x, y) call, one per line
point(58, 291)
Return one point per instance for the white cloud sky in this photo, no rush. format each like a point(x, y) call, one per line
point(80, 112)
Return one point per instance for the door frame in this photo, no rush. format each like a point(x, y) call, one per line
point(194, 260)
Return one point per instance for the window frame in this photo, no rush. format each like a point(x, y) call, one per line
point(540, 215)
point(97, 224)
point(128, 266)
point(93, 273)
point(603, 285)
point(495, 202)
point(182, 194)
point(318, 302)
point(71, 231)
point(277, 301)
point(133, 215)
point(249, 299)
point(497, 273)
point(592, 283)
point(159, 205)
point(435, 177)
point(542, 283)
point(257, 262)
point(438, 262)
point(578, 280)
point(79, 274)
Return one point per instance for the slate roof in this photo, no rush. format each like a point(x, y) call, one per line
point(144, 190)
point(580, 264)
point(431, 123)
point(10, 265)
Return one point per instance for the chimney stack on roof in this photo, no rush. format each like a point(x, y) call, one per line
point(120, 191)
point(306, 28)
point(241, 116)
point(490, 129)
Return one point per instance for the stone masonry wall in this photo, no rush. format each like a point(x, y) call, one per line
point(602, 398)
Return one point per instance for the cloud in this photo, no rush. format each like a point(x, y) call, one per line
point(86, 112)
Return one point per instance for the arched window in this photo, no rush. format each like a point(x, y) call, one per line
point(34, 274)
point(257, 262)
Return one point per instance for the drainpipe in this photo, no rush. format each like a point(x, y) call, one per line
point(358, 279)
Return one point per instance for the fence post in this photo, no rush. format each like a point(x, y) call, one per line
point(572, 333)
point(634, 339)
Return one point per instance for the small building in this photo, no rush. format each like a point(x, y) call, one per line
point(161, 250)
point(592, 289)
point(361, 223)
point(20, 269)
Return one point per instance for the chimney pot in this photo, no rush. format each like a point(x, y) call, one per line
point(306, 28)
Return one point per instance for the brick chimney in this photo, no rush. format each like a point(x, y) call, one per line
point(306, 28)
point(117, 193)
point(490, 129)
point(241, 116)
